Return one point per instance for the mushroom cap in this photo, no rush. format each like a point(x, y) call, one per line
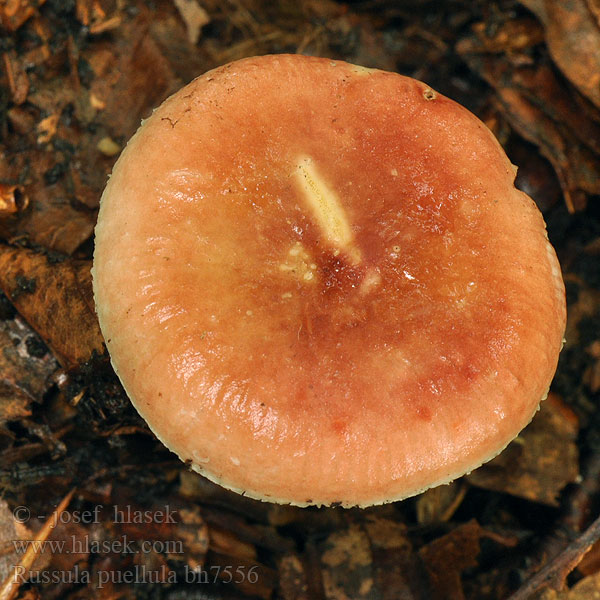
point(318, 283)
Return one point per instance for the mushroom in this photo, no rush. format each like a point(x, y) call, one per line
point(318, 283)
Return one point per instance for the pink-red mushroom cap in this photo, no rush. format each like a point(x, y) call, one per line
point(318, 283)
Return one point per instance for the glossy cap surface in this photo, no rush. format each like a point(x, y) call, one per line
point(318, 283)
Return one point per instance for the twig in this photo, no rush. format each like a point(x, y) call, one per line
point(553, 575)
point(581, 499)
point(10, 586)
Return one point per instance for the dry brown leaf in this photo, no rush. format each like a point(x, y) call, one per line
point(48, 216)
point(541, 109)
point(590, 563)
point(56, 300)
point(586, 589)
point(541, 461)
point(131, 79)
point(573, 38)
point(52, 222)
point(448, 556)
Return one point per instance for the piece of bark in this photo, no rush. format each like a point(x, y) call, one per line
point(55, 298)
point(25, 370)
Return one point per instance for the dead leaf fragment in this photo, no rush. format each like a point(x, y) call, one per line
point(541, 461)
point(586, 589)
point(82, 12)
point(448, 556)
point(573, 39)
point(55, 299)
point(387, 534)
point(130, 81)
point(590, 563)
point(541, 109)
